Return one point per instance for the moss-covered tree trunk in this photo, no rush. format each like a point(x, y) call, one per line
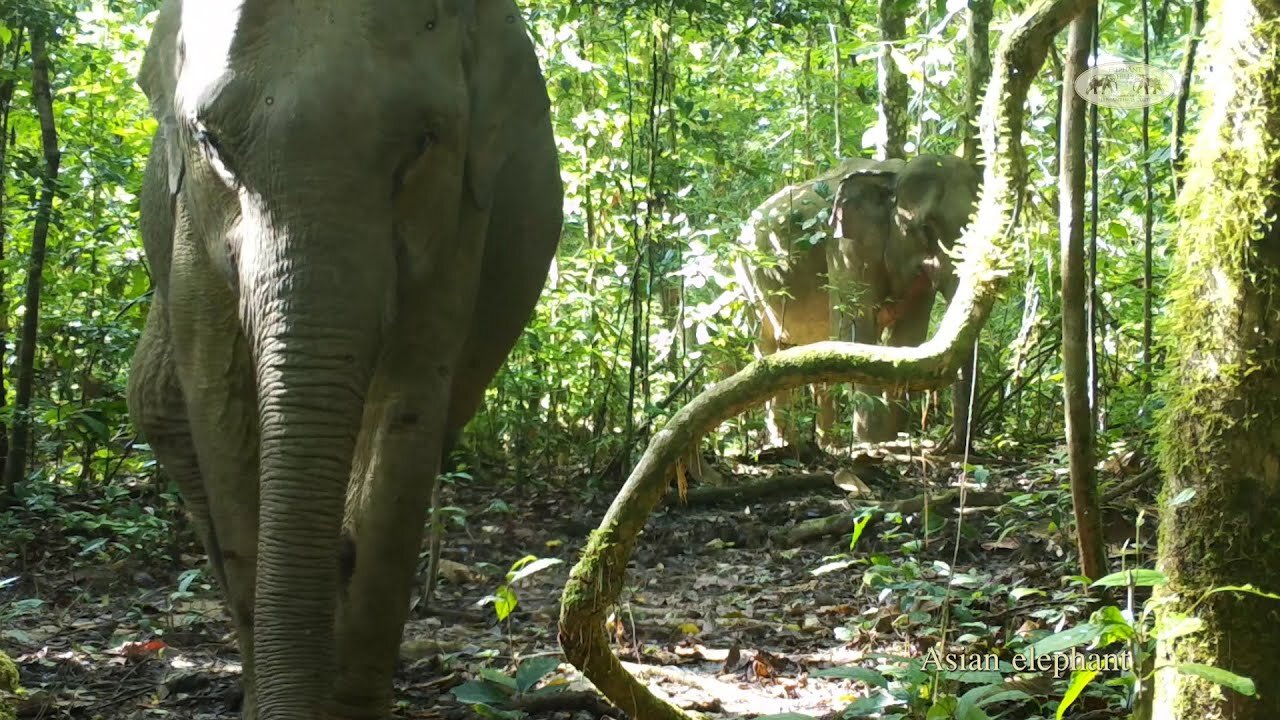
point(1220, 430)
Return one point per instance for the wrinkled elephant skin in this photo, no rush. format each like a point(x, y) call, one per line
point(346, 243)
point(884, 258)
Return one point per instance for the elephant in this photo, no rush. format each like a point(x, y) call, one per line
point(932, 198)
point(783, 271)
point(849, 254)
point(349, 211)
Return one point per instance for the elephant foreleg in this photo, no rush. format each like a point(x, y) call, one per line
point(159, 411)
point(213, 364)
point(779, 428)
point(910, 329)
point(405, 427)
point(159, 408)
point(871, 421)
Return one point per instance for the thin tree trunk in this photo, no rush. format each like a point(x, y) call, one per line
point(42, 95)
point(1218, 435)
point(1075, 324)
point(1149, 216)
point(6, 101)
point(806, 72)
point(1095, 401)
point(978, 50)
point(892, 83)
point(1184, 91)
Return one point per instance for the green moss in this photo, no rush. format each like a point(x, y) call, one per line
point(8, 684)
point(1218, 436)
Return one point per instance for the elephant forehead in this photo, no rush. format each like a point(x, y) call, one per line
point(348, 52)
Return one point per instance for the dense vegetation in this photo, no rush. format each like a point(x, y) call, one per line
point(674, 119)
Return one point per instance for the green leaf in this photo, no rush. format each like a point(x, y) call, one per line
point(6, 35)
point(479, 691)
point(532, 567)
point(498, 678)
point(1080, 679)
point(534, 669)
point(1068, 638)
point(944, 708)
point(1178, 626)
point(871, 704)
point(1140, 577)
point(1216, 675)
point(858, 526)
point(975, 676)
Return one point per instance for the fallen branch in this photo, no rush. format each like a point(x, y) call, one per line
point(760, 489)
point(1124, 487)
point(845, 522)
point(986, 248)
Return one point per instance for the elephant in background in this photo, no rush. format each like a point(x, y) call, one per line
point(783, 271)
point(848, 255)
point(931, 200)
point(345, 242)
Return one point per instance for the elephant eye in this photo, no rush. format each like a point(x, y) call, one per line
point(422, 143)
point(215, 153)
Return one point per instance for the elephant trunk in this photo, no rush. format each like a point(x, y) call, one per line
point(314, 305)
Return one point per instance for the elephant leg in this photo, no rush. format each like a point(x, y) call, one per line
point(159, 411)
point(387, 507)
point(910, 330)
point(824, 396)
point(395, 474)
point(778, 428)
point(215, 369)
point(871, 420)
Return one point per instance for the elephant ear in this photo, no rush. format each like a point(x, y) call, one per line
point(158, 78)
point(508, 94)
point(864, 194)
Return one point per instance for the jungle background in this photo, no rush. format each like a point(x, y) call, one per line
point(674, 119)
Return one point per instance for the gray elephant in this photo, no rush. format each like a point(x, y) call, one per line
point(932, 198)
point(848, 255)
point(349, 212)
point(783, 270)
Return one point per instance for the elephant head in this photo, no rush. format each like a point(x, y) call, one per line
point(863, 205)
point(934, 198)
point(331, 171)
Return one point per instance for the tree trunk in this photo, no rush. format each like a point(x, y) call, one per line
point(15, 465)
point(1219, 438)
point(893, 84)
point(978, 50)
point(1075, 321)
point(6, 100)
point(1184, 90)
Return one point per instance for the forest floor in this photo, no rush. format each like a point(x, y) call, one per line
point(722, 614)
